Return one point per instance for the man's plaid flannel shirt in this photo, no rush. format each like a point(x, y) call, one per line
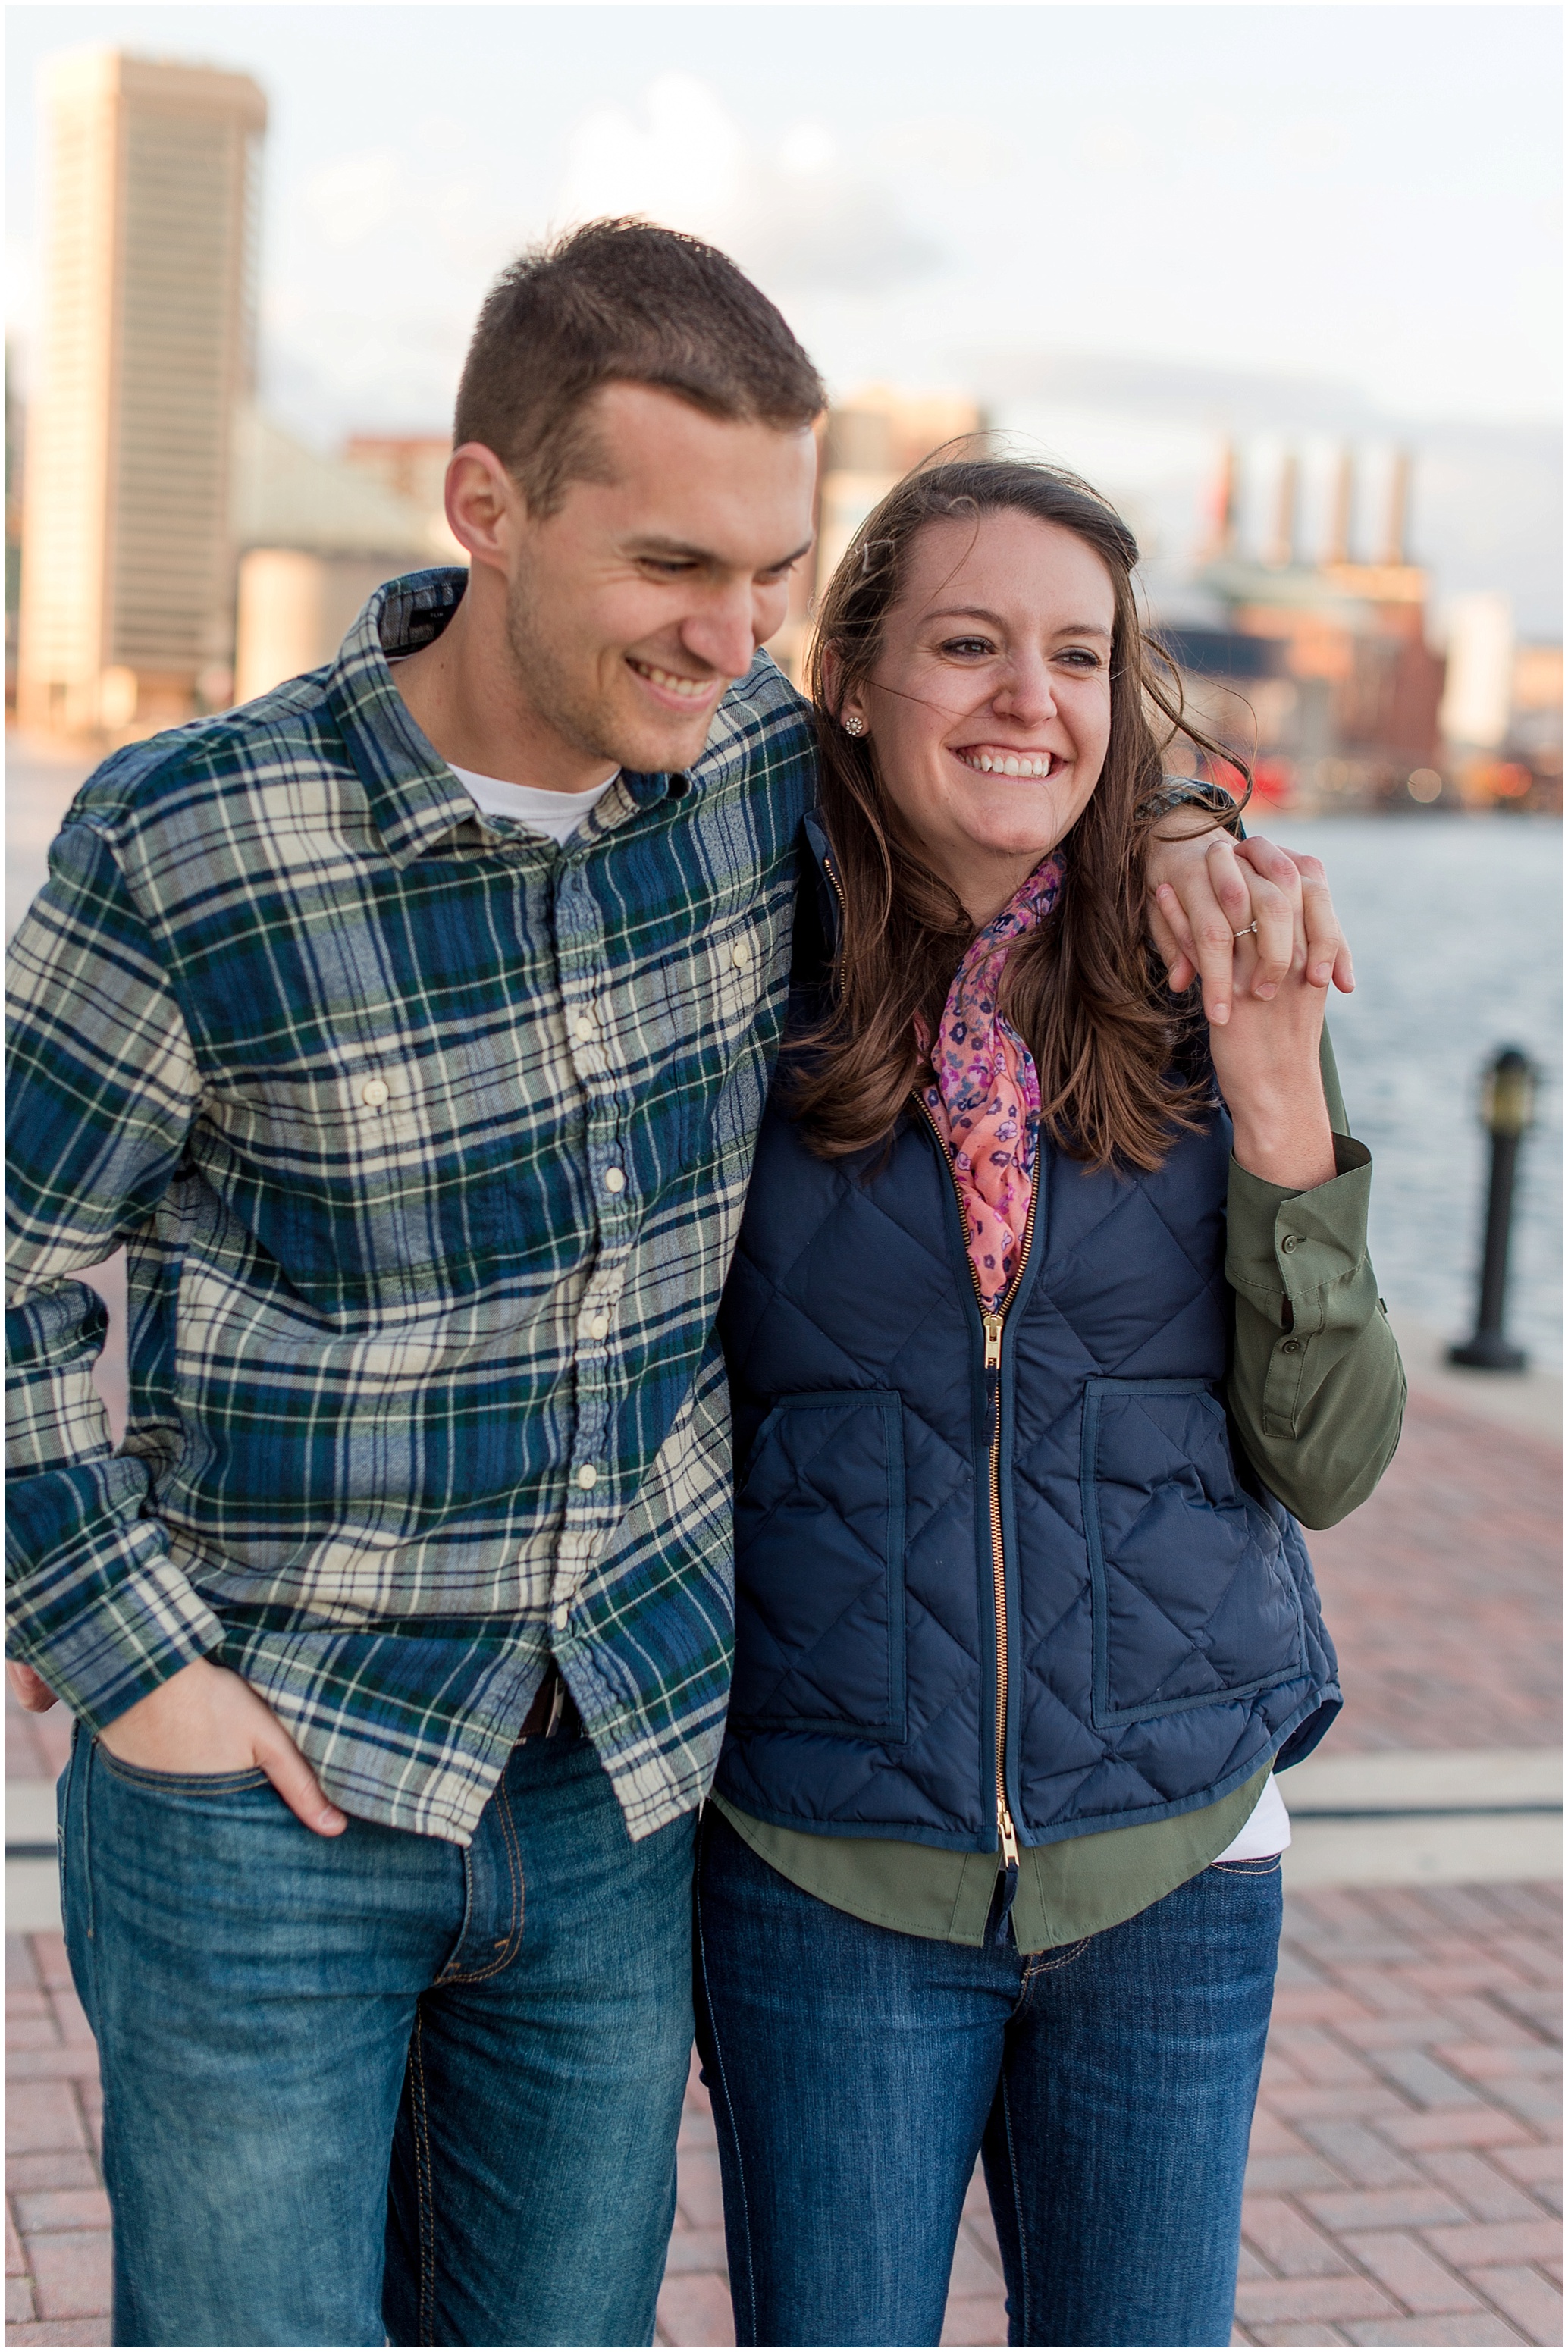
point(428, 1142)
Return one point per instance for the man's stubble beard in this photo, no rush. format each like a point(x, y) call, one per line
point(570, 705)
point(545, 682)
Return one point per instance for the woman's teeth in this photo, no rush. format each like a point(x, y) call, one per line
point(1009, 764)
point(695, 690)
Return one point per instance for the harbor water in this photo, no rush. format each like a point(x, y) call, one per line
point(1457, 926)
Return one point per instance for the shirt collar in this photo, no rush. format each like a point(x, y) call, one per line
point(414, 799)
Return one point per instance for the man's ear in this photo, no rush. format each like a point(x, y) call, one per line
point(484, 505)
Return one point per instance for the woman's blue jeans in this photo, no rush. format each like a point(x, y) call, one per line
point(377, 2088)
point(1108, 2085)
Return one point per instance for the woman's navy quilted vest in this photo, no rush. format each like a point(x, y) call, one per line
point(1162, 1634)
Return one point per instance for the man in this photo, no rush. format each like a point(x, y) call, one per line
point(411, 1026)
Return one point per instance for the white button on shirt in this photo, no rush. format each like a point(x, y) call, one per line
point(587, 1477)
point(598, 1326)
point(374, 1092)
point(614, 1181)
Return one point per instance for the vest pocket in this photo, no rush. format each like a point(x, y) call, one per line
point(819, 1575)
point(1193, 1601)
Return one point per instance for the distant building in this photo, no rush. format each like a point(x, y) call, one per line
point(1321, 671)
point(867, 442)
point(1477, 695)
point(873, 439)
point(1518, 763)
point(1536, 722)
point(14, 431)
point(413, 465)
point(148, 344)
point(314, 536)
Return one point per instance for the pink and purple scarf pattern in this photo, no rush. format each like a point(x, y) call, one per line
point(985, 1102)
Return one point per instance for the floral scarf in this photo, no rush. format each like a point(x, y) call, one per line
point(985, 1102)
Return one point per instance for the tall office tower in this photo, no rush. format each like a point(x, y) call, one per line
point(127, 618)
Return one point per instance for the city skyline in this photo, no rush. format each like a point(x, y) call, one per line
point(1233, 187)
point(1307, 463)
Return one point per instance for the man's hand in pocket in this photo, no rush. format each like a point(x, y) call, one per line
point(206, 1719)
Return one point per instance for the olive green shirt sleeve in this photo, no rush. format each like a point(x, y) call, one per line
point(1316, 1386)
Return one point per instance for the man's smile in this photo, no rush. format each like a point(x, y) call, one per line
point(685, 693)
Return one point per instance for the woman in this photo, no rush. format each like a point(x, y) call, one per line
point(1023, 1620)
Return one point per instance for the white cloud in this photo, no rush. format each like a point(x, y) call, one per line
point(347, 201)
point(1110, 145)
point(791, 211)
point(948, 149)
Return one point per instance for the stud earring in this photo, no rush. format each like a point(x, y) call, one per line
point(854, 724)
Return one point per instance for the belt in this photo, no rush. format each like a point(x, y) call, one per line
point(553, 1715)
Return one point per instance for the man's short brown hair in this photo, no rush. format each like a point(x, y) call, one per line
point(621, 301)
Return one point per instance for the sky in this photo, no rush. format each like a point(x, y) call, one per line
point(1343, 217)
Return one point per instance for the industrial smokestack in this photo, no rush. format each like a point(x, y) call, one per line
point(1339, 548)
point(1283, 550)
point(1226, 501)
point(1398, 508)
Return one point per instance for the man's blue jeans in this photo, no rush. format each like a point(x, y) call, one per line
point(373, 2087)
point(1108, 2086)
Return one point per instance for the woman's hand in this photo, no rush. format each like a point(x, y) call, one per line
point(1266, 1053)
point(1206, 886)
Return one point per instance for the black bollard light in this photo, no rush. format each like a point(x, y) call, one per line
point(1507, 1108)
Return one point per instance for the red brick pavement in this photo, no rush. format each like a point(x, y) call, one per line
point(56, 2216)
point(1402, 2189)
point(1444, 1592)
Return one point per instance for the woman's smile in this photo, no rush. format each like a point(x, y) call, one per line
point(991, 758)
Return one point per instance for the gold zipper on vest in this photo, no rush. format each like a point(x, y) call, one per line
point(994, 1320)
point(843, 919)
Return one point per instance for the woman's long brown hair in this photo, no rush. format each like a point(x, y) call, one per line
point(1083, 991)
